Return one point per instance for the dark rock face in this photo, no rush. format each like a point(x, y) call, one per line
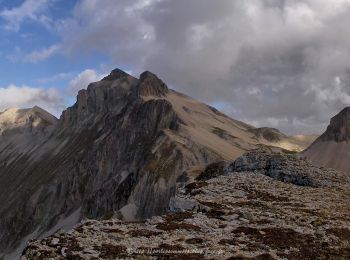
point(339, 128)
point(107, 96)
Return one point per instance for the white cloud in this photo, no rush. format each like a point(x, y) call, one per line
point(262, 56)
point(42, 54)
point(275, 61)
point(54, 100)
point(35, 56)
point(116, 26)
point(83, 79)
point(27, 97)
point(29, 10)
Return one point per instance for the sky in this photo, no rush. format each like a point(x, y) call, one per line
point(276, 63)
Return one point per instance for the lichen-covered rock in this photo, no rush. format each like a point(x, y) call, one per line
point(283, 167)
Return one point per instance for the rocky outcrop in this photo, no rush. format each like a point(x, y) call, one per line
point(151, 85)
point(282, 167)
point(238, 215)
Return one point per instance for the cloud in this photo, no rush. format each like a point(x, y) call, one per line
point(54, 100)
point(83, 79)
point(42, 54)
point(116, 27)
point(36, 56)
point(57, 77)
point(33, 10)
point(27, 97)
point(272, 61)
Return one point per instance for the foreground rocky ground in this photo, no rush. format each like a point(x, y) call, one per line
point(262, 206)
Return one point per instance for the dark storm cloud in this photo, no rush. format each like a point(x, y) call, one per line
point(271, 62)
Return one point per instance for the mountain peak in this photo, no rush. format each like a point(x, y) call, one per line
point(339, 127)
point(147, 74)
point(115, 74)
point(112, 94)
point(151, 85)
point(345, 113)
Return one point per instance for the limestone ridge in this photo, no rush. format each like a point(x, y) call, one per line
point(339, 128)
point(30, 121)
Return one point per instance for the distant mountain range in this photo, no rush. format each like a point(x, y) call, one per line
point(117, 152)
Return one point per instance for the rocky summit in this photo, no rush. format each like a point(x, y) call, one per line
point(264, 205)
